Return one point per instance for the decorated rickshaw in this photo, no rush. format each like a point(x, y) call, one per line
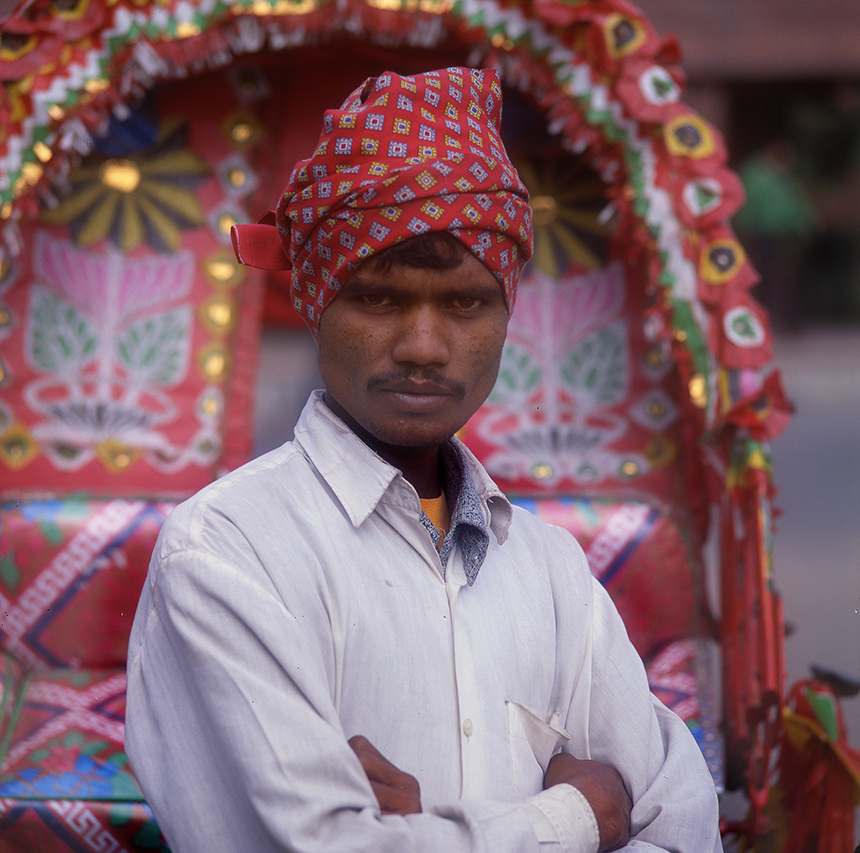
point(634, 405)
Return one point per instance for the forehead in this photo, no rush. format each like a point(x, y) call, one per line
point(467, 274)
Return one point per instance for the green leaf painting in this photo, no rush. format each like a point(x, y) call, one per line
point(519, 374)
point(60, 338)
point(155, 348)
point(596, 367)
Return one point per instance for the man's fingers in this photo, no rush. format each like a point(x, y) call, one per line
point(397, 792)
point(395, 800)
point(604, 789)
point(362, 746)
point(377, 767)
point(370, 757)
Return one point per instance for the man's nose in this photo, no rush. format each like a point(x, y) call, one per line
point(422, 337)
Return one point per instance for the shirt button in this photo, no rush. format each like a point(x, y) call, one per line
point(467, 727)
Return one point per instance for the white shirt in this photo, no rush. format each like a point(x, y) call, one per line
point(300, 601)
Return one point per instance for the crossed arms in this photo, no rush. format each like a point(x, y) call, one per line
point(399, 793)
point(245, 684)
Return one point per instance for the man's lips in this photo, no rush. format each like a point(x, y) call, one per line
point(419, 388)
point(417, 395)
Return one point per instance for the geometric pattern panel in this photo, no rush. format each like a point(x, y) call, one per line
point(643, 558)
point(67, 738)
point(12, 678)
point(65, 782)
point(71, 572)
point(78, 826)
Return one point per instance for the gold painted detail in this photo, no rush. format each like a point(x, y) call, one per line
point(149, 198)
point(243, 130)
point(721, 261)
point(432, 7)
point(70, 10)
point(545, 210)
point(661, 451)
point(214, 361)
point(625, 35)
point(689, 136)
point(17, 446)
point(698, 390)
point(31, 174)
point(630, 468)
point(655, 357)
point(567, 200)
point(222, 268)
point(264, 8)
point(655, 409)
point(42, 151)
point(187, 29)
point(15, 45)
point(225, 222)
point(218, 314)
point(115, 455)
point(210, 405)
point(542, 471)
point(122, 175)
point(96, 86)
point(237, 177)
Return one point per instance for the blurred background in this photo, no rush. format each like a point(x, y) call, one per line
point(781, 79)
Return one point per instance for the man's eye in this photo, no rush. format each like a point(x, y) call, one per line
point(466, 303)
point(376, 300)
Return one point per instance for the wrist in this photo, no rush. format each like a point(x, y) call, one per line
point(567, 818)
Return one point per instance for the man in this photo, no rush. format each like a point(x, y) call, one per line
point(355, 642)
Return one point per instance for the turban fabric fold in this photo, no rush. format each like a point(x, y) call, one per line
point(402, 156)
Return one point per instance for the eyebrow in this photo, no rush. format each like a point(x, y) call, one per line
point(368, 284)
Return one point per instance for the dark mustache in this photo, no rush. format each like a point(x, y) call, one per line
point(441, 381)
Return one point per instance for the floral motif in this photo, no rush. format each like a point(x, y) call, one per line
point(555, 414)
point(109, 334)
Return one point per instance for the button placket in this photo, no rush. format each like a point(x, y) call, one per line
point(471, 737)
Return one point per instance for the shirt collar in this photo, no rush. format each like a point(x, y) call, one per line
point(360, 478)
point(468, 522)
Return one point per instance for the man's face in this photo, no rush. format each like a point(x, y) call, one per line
point(408, 354)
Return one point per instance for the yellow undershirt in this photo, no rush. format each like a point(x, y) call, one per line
point(436, 509)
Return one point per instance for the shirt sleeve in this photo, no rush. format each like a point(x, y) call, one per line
point(563, 821)
point(233, 733)
point(675, 806)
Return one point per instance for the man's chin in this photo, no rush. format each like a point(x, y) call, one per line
point(414, 434)
point(412, 441)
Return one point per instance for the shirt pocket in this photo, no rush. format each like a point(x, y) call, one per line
point(533, 743)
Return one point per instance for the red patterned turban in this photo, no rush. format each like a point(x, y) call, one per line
point(402, 156)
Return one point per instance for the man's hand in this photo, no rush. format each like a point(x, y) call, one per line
point(396, 791)
point(601, 785)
